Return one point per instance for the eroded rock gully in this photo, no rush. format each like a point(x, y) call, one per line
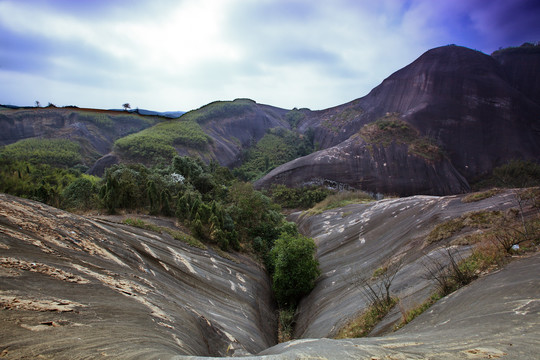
point(75, 287)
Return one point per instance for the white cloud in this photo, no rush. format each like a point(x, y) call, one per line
point(169, 55)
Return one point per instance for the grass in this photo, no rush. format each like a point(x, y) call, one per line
point(178, 235)
point(478, 196)
point(445, 230)
point(285, 325)
point(474, 219)
point(362, 325)
point(56, 152)
point(390, 129)
point(408, 315)
point(340, 199)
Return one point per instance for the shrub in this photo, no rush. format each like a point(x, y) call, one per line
point(55, 152)
point(81, 194)
point(295, 268)
point(303, 197)
point(449, 273)
point(514, 174)
point(362, 325)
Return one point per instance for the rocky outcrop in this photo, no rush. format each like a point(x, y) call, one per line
point(476, 108)
point(74, 287)
point(233, 133)
point(358, 239)
point(378, 169)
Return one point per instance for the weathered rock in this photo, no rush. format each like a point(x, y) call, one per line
point(522, 68)
point(73, 287)
point(495, 317)
point(231, 134)
point(358, 239)
point(477, 110)
point(378, 169)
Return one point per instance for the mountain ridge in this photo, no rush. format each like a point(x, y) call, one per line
point(479, 110)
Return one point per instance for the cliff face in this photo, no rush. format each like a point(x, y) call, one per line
point(476, 108)
point(95, 130)
point(377, 168)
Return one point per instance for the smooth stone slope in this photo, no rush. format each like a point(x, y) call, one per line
point(358, 239)
point(73, 287)
point(495, 317)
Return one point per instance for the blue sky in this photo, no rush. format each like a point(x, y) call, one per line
point(182, 54)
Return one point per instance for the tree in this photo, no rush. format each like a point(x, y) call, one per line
point(126, 106)
point(295, 268)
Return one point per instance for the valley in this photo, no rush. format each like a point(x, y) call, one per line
point(403, 224)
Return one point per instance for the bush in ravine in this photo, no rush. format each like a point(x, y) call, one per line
point(295, 268)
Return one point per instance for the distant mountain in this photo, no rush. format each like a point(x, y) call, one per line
point(433, 127)
point(168, 114)
point(94, 130)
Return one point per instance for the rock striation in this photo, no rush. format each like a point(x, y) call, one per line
point(74, 287)
point(78, 287)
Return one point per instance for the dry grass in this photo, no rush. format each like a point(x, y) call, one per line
point(362, 325)
point(478, 196)
point(340, 199)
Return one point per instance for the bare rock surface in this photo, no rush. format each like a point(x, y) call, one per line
point(78, 287)
point(358, 239)
point(73, 287)
point(377, 169)
point(496, 317)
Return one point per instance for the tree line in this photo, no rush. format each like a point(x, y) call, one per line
point(214, 205)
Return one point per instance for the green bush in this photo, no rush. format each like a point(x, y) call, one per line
point(81, 194)
point(295, 268)
point(303, 197)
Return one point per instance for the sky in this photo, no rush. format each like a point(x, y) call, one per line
point(168, 55)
